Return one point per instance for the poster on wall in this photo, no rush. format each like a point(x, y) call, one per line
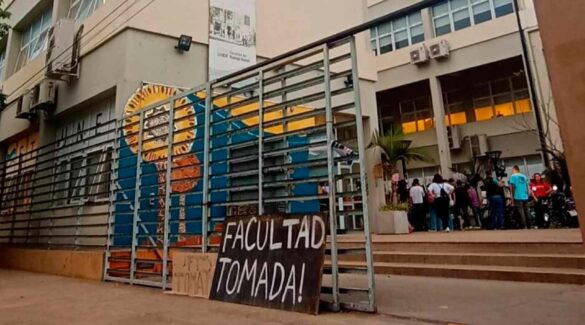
point(232, 36)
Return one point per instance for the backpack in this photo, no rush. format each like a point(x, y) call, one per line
point(444, 194)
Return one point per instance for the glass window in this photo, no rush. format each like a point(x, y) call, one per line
point(481, 11)
point(416, 115)
point(77, 179)
point(81, 9)
point(503, 7)
point(99, 165)
point(501, 97)
point(396, 34)
point(452, 15)
point(34, 38)
point(442, 26)
point(461, 19)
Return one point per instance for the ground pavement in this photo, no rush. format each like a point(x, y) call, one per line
point(29, 298)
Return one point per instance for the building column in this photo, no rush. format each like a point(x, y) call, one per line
point(440, 127)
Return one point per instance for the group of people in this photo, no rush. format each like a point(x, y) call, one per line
point(452, 205)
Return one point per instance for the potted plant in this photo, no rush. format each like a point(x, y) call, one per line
point(394, 148)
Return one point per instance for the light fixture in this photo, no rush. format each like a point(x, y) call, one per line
point(184, 44)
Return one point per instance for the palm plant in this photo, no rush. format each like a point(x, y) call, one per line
point(394, 148)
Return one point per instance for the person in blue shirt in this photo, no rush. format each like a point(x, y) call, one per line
point(520, 190)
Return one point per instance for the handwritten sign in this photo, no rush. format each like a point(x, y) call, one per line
point(273, 261)
point(192, 273)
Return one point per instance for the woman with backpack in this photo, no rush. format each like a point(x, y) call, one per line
point(440, 193)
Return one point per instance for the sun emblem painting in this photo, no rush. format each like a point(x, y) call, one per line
point(155, 137)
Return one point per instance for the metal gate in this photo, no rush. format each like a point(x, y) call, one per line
point(285, 137)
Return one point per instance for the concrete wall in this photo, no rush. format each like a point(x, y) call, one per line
point(562, 29)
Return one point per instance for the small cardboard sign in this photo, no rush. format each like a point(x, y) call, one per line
point(192, 273)
point(273, 261)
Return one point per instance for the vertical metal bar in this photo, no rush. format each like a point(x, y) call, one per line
point(285, 130)
point(137, 190)
point(363, 179)
point(331, 179)
point(112, 208)
point(206, 169)
point(168, 180)
point(260, 142)
point(15, 199)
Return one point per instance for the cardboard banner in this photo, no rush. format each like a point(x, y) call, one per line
point(232, 36)
point(192, 273)
point(273, 261)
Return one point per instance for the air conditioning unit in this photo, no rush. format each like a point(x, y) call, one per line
point(63, 50)
point(454, 134)
point(419, 55)
point(479, 145)
point(439, 50)
point(42, 96)
point(23, 110)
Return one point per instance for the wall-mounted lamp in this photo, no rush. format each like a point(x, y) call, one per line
point(184, 44)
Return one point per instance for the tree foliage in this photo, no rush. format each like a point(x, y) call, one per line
point(394, 147)
point(4, 16)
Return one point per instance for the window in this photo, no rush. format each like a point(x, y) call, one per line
point(34, 38)
point(81, 9)
point(397, 34)
point(455, 107)
point(502, 97)
point(2, 64)
point(453, 15)
point(416, 115)
point(82, 178)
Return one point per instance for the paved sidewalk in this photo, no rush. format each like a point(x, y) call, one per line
point(29, 298)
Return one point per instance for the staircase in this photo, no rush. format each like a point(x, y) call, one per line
point(508, 260)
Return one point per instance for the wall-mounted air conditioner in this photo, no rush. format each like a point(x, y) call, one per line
point(439, 50)
point(419, 55)
point(41, 96)
point(479, 145)
point(454, 134)
point(63, 50)
point(23, 110)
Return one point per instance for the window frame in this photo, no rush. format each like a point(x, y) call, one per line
point(416, 113)
point(82, 193)
point(77, 5)
point(375, 35)
point(471, 4)
point(25, 54)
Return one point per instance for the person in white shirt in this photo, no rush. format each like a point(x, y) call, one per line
point(441, 194)
point(417, 208)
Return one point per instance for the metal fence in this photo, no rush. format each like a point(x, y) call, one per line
point(57, 195)
point(286, 137)
point(260, 142)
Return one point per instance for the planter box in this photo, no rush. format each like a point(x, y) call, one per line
point(391, 222)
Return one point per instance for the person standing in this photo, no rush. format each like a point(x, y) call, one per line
point(520, 193)
point(496, 196)
point(461, 207)
point(541, 190)
point(474, 203)
point(441, 193)
point(417, 201)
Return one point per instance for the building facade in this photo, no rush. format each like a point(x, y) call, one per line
point(473, 95)
point(473, 98)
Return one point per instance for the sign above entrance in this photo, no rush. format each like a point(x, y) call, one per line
point(273, 261)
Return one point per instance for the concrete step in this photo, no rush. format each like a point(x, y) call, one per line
point(562, 248)
point(521, 260)
point(503, 273)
